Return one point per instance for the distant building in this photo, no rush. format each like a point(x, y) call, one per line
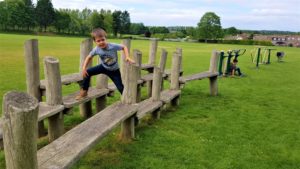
point(280, 40)
point(277, 40)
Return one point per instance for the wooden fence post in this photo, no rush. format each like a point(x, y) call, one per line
point(175, 76)
point(153, 50)
point(175, 71)
point(31, 53)
point(179, 51)
point(101, 83)
point(137, 56)
point(157, 81)
point(127, 43)
point(129, 97)
point(162, 64)
point(213, 81)
point(85, 47)
point(54, 96)
point(20, 119)
point(157, 78)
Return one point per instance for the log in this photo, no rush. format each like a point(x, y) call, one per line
point(101, 83)
point(20, 115)
point(175, 72)
point(54, 96)
point(127, 43)
point(162, 64)
point(157, 79)
point(152, 52)
point(214, 61)
point(179, 51)
point(85, 47)
point(31, 53)
point(129, 97)
point(137, 56)
point(213, 81)
point(32, 68)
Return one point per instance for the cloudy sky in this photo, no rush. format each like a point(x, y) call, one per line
point(254, 15)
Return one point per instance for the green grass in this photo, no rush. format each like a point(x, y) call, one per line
point(253, 123)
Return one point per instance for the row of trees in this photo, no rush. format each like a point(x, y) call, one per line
point(23, 15)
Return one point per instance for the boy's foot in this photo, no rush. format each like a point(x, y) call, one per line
point(82, 94)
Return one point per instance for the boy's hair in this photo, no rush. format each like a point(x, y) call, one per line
point(235, 60)
point(98, 32)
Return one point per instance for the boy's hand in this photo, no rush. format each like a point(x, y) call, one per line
point(129, 60)
point(84, 73)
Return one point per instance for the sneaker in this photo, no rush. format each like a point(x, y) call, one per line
point(82, 94)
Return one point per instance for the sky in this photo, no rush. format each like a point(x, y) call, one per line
point(281, 15)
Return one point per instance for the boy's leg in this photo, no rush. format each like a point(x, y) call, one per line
point(239, 71)
point(115, 76)
point(91, 72)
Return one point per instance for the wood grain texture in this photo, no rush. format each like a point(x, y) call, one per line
point(65, 79)
point(31, 53)
point(147, 106)
point(70, 101)
point(67, 149)
point(167, 95)
point(156, 84)
point(197, 76)
point(20, 113)
point(153, 51)
point(175, 71)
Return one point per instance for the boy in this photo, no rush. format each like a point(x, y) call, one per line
point(109, 62)
point(234, 68)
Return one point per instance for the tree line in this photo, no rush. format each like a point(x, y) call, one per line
point(23, 15)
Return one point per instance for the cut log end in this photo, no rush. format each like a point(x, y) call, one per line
point(50, 59)
point(19, 101)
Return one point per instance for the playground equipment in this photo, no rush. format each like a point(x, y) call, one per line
point(230, 54)
point(66, 148)
point(261, 55)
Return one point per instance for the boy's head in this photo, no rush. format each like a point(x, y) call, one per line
point(235, 60)
point(99, 37)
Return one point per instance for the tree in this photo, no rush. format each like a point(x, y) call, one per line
point(125, 22)
point(28, 18)
point(97, 20)
point(231, 31)
point(159, 29)
point(137, 28)
point(3, 15)
point(108, 20)
point(209, 26)
point(62, 20)
point(116, 25)
point(15, 14)
point(45, 13)
point(191, 31)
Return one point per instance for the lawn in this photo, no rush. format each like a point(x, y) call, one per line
point(252, 123)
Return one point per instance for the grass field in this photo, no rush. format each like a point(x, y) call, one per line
point(253, 123)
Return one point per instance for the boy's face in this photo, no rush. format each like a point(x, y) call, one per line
point(101, 42)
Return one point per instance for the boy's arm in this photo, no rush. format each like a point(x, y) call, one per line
point(126, 55)
point(84, 67)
